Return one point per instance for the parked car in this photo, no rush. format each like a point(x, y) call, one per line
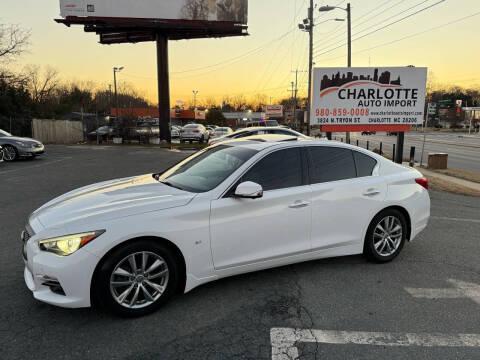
point(175, 132)
point(104, 132)
point(194, 132)
point(232, 208)
point(390, 133)
point(15, 147)
point(369, 132)
point(222, 131)
point(264, 123)
point(257, 131)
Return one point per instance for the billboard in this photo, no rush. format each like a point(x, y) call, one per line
point(368, 96)
point(235, 11)
point(274, 110)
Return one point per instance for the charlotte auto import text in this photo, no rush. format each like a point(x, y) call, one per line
point(381, 97)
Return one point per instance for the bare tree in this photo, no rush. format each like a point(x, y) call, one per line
point(42, 84)
point(13, 41)
point(239, 103)
point(195, 10)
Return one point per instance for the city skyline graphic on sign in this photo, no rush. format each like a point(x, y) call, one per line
point(338, 79)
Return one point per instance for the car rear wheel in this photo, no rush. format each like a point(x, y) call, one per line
point(137, 279)
point(9, 153)
point(202, 139)
point(386, 236)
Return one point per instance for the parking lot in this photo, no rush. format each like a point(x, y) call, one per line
point(424, 305)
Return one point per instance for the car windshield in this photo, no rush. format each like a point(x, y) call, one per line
point(4, 133)
point(206, 170)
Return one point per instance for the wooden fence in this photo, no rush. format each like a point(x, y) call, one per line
point(57, 131)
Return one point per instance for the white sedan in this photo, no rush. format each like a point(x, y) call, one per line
point(240, 206)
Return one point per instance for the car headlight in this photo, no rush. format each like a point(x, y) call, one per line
point(68, 244)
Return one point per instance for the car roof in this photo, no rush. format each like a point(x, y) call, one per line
point(261, 142)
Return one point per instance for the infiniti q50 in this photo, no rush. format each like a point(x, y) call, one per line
point(129, 245)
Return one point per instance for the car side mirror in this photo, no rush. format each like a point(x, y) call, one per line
point(249, 190)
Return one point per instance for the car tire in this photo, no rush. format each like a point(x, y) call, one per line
point(190, 141)
point(202, 139)
point(386, 236)
point(182, 141)
point(10, 153)
point(116, 277)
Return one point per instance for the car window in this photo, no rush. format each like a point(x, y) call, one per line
point(243, 134)
point(365, 164)
point(207, 169)
point(279, 170)
point(328, 163)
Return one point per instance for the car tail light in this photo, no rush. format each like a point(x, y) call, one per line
point(422, 182)
point(182, 131)
point(196, 131)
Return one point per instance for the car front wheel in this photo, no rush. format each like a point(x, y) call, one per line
point(9, 153)
point(386, 236)
point(137, 278)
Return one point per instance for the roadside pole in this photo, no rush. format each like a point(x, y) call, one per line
point(163, 88)
point(310, 64)
point(400, 142)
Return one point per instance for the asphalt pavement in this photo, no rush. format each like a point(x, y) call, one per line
point(463, 150)
point(424, 305)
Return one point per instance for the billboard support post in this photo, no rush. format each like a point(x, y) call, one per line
point(163, 88)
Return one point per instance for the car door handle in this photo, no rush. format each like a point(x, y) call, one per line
point(371, 192)
point(299, 204)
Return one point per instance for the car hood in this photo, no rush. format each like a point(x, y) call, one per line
point(11, 139)
point(110, 200)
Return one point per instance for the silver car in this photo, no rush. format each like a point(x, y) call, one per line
point(15, 147)
point(252, 131)
point(194, 132)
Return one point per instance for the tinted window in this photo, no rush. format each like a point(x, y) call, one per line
point(279, 170)
point(207, 169)
point(331, 164)
point(365, 164)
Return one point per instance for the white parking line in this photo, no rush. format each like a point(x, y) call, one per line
point(34, 166)
point(455, 219)
point(461, 289)
point(283, 340)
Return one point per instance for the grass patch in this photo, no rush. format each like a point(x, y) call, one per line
point(461, 174)
point(444, 185)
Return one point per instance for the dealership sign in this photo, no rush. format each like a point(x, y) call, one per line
point(368, 96)
point(235, 11)
point(274, 110)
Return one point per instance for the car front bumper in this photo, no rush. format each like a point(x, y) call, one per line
point(61, 281)
point(31, 150)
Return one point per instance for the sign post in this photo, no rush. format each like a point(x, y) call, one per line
point(369, 99)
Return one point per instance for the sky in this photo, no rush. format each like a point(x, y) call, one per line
point(263, 63)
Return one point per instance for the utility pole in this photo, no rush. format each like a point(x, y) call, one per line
point(349, 20)
point(195, 93)
point(310, 65)
point(117, 127)
point(294, 102)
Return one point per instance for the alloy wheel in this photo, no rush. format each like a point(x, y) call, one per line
point(139, 280)
point(387, 236)
point(9, 153)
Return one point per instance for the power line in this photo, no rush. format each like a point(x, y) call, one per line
point(361, 17)
point(383, 27)
point(371, 26)
point(409, 36)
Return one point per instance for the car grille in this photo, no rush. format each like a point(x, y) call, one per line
point(25, 236)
